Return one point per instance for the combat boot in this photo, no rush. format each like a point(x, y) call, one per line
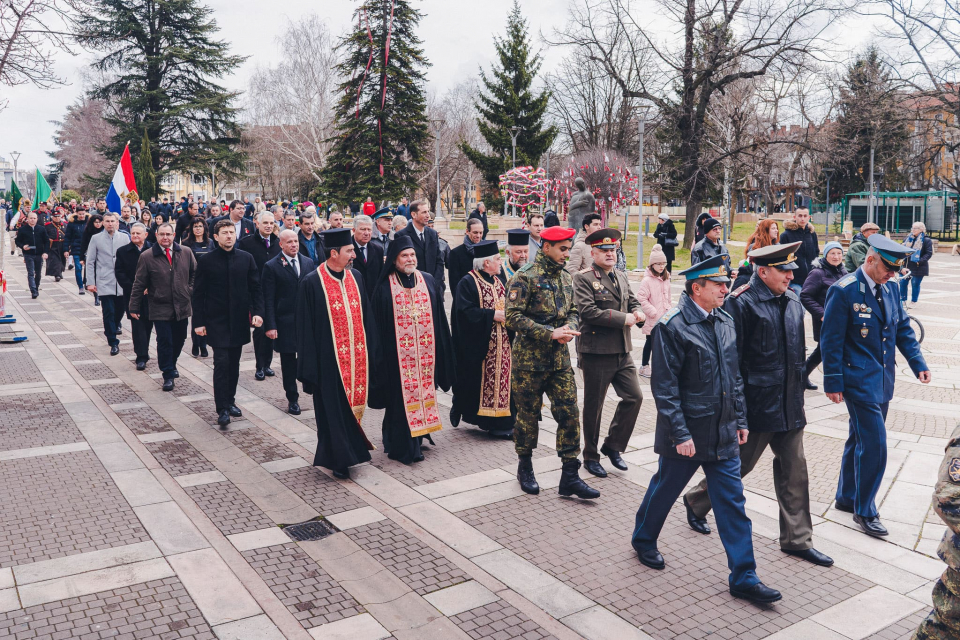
point(572, 484)
point(528, 481)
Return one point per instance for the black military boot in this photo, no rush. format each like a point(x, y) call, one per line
point(528, 481)
point(572, 484)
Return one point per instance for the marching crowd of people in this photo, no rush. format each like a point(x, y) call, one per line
point(357, 318)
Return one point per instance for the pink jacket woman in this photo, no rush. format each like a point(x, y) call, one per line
point(654, 296)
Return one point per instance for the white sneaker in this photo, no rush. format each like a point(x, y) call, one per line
point(645, 371)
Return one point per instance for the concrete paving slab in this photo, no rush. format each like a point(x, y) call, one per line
point(355, 566)
point(140, 487)
point(361, 627)
point(866, 613)
point(469, 482)
point(217, 592)
point(91, 582)
point(406, 612)
point(356, 518)
point(454, 532)
point(170, 528)
point(385, 487)
point(80, 411)
point(920, 468)
point(557, 599)
point(9, 600)
point(379, 588)
point(331, 548)
point(286, 464)
point(117, 456)
point(439, 629)
point(924, 595)
point(34, 452)
point(597, 623)
point(514, 571)
point(806, 630)
point(484, 495)
point(907, 502)
point(97, 432)
point(163, 436)
point(259, 539)
point(197, 479)
point(872, 569)
point(84, 562)
point(255, 628)
point(461, 597)
point(6, 578)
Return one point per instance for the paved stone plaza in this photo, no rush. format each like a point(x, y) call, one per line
point(128, 514)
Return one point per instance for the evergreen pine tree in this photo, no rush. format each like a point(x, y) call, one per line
point(145, 175)
point(160, 63)
point(509, 101)
point(366, 121)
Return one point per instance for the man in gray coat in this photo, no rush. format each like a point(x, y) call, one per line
point(102, 279)
point(608, 312)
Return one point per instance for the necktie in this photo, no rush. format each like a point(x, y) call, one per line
point(266, 241)
point(296, 266)
point(363, 250)
point(169, 257)
point(878, 294)
point(421, 237)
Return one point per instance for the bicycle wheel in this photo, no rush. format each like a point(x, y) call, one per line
point(917, 327)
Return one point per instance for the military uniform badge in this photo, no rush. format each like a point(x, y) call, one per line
point(864, 331)
point(954, 470)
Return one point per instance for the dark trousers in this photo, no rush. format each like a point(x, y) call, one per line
point(914, 283)
point(288, 369)
point(647, 350)
point(171, 334)
point(226, 375)
point(78, 271)
point(864, 457)
point(34, 271)
point(140, 330)
point(599, 372)
point(262, 348)
point(813, 361)
point(790, 481)
point(199, 342)
point(111, 307)
point(726, 495)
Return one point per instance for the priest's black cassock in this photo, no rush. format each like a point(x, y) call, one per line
point(386, 392)
point(471, 335)
point(341, 441)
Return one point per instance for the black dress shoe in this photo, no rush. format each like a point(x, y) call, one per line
point(595, 468)
point(234, 411)
point(176, 374)
point(269, 372)
point(96, 301)
point(204, 353)
point(759, 593)
point(811, 555)
point(115, 349)
point(615, 458)
point(141, 365)
point(34, 296)
point(697, 524)
point(119, 331)
point(168, 384)
point(809, 386)
point(651, 559)
point(195, 351)
point(343, 474)
point(454, 417)
point(293, 409)
point(842, 507)
point(259, 375)
point(871, 526)
point(224, 418)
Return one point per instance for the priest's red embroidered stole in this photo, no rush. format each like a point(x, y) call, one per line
point(495, 375)
point(416, 353)
point(349, 340)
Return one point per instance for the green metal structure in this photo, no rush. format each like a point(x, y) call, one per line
point(896, 211)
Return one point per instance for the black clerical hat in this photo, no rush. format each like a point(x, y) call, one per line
point(781, 256)
point(336, 238)
point(485, 249)
point(518, 237)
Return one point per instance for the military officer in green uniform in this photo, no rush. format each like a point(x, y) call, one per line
point(541, 311)
point(943, 621)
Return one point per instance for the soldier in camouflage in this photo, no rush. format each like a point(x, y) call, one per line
point(540, 309)
point(943, 621)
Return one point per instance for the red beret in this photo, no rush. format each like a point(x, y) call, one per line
point(556, 234)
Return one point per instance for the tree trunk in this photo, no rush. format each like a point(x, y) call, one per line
point(690, 230)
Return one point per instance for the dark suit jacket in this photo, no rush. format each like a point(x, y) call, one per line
point(125, 268)
point(247, 228)
point(429, 259)
point(280, 282)
point(226, 293)
point(254, 245)
point(371, 267)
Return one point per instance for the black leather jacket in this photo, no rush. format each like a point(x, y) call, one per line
point(772, 355)
point(696, 383)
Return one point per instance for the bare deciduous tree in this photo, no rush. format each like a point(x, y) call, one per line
point(713, 45)
point(294, 99)
point(31, 31)
point(78, 136)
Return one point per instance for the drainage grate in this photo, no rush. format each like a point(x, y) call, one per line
point(312, 530)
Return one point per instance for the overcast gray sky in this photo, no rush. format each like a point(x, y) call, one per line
point(457, 38)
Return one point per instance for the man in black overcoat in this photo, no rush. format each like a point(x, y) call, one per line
point(426, 243)
point(262, 245)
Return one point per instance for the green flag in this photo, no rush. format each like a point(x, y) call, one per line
point(43, 191)
point(17, 196)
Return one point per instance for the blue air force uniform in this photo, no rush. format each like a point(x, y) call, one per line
point(860, 330)
point(699, 395)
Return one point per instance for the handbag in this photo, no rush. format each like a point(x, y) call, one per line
point(671, 242)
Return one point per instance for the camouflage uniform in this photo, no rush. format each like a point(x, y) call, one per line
point(540, 300)
point(943, 621)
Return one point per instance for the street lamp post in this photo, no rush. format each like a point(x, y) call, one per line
point(872, 212)
point(643, 122)
point(3, 240)
point(438, 125)
point(546, 205)
point(829, 173)
point(505, 198)
point(514, 132)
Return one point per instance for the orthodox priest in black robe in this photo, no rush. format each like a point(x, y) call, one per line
point(481, 392)
point(336, 353)
point(416, 353)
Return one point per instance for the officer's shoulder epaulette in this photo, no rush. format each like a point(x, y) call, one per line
point(845, 280)
point(669, 315)
point(736, 292)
